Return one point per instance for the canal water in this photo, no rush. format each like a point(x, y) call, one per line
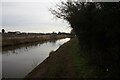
point(17, 62)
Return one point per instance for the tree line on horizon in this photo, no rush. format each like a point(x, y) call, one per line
point(18, 32)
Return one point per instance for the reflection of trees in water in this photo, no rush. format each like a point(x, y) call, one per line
point(53, 42)
point(17, 49)
point(20, 48)
point(25, 46)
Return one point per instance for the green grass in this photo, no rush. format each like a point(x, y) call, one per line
point(83, 69)
point(80, 62)
point(67, 62)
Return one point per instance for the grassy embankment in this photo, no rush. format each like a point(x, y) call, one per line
point(67, 62)
point(12, 40)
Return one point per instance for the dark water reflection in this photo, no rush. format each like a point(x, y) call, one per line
point(19, 60)
point(28, 45)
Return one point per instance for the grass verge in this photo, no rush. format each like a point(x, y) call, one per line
point(66, 62)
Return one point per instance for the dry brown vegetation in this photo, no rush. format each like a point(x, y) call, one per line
point(14, 39)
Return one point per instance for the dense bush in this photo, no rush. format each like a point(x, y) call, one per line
point(97, 27)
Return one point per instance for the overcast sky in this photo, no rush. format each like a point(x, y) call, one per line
point(31, 16)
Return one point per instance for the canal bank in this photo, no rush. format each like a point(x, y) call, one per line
point(15, 39)
point(66, 62)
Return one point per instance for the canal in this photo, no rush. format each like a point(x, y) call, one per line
point(18, 61)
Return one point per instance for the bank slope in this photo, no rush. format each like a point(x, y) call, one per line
point(66, 62)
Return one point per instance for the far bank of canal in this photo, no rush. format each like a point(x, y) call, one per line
point(18, 62)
